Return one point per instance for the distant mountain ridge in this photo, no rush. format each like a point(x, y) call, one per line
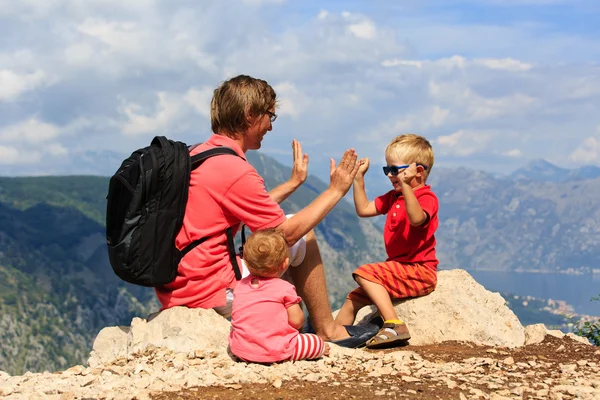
point(544, 171)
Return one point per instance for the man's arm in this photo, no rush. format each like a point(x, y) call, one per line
point(299, 174)
point(341, 178)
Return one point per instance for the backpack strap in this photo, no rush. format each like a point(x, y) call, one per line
point(215, 151)
point(196, 161)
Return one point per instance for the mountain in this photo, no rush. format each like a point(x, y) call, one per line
point(544, 171)
point(502, 224)
point(56, 291)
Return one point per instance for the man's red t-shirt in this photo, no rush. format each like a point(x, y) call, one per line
point(403, 242)
point(224, 191)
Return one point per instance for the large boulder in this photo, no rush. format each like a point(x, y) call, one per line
point(180, 329)
point(458, 309)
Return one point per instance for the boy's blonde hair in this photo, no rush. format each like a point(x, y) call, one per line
point(265, 251)
point(412, 148)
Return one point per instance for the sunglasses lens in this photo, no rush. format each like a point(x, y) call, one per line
point(391, 170)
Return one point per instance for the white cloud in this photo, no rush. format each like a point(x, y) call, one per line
point(463, 143)
point(9, 155)
point(110, 71)
point(13, 84)
point(123, 37)
point(291, 101)
point(57, 150)
point(396, 63)
point(168, 110)
point(363, 30)
point(480, 108)
point(200, 100)
point(588, 151)
point(30, 131)
point(80, 55)
point(507, 64)
point(513, 153)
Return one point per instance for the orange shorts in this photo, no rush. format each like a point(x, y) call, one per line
point(400, 280)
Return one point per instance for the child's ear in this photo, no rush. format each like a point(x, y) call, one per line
point(285, 263)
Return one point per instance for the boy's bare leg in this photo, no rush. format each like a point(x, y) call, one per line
point(309, 278)
point(380, 297)
point(348, 312)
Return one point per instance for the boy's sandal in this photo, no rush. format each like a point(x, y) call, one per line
point(389, 334)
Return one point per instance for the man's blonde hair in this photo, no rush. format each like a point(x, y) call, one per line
point(412, 148)
point(265, 251)
point(236, 99)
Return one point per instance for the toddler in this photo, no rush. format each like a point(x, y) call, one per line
point(266, 314)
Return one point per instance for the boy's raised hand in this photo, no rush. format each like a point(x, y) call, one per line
point(409, 173)
point(342, 176)
point(363, 167)
point(300, 168)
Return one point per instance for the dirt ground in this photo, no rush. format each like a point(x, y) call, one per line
point(360, 386)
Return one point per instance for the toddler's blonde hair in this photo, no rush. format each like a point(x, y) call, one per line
point(264, 252)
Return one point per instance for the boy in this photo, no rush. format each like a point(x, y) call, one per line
point(412, 218)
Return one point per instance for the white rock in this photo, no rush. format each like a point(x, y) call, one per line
point(179, 329)
point(458, 309)
point(110, 344)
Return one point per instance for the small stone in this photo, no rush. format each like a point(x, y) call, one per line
point(277, 383)
point(561, 348)
point(234, 386)
point(410, 379)
point(508, 361)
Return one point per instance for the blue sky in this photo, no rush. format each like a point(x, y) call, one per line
point(492, 83)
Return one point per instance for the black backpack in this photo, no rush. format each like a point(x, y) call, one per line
point(146, 203)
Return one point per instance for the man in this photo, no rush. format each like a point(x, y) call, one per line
point(226, 191)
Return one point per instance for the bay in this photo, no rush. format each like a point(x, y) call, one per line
point(576, 290)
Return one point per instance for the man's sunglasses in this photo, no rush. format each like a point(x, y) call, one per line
point(271, 115)
point(396, 169)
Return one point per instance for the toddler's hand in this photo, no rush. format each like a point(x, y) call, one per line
point(326, 350)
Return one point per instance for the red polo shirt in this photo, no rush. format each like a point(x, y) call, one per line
point(224, 191)
point(404, 242)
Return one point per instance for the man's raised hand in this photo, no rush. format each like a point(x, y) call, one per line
point(342, 176)
point(300, 168)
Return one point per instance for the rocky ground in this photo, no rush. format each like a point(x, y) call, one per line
point(557, 368)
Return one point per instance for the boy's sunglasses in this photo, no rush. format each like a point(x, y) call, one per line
point(396, 169)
